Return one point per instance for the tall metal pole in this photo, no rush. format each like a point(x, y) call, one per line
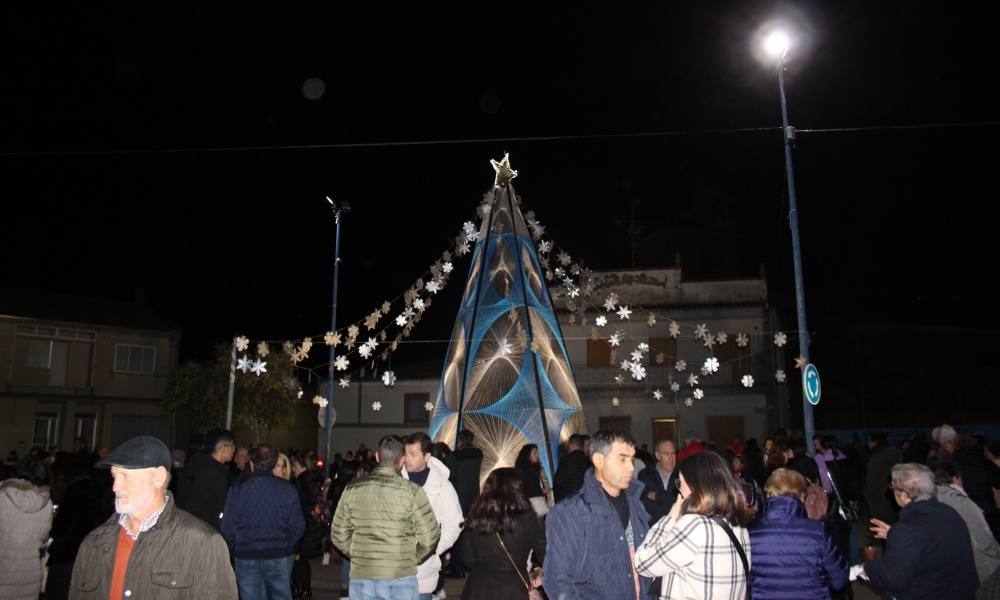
point(333, 352)
point(793, 219)
point(232, 384)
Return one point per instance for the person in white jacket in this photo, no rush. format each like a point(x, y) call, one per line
point(431, 474)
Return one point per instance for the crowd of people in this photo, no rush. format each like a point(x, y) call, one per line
point(917, 518)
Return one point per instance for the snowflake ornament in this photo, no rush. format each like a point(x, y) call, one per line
point(779, 376)
point(675, 387)
point(345, 382)
point(657, 395)
point(780, 339)
point(472, 236)
point(401, 320)
point(709, 341)
point(564, 259)
point(638, 372)
point(544, 247)
point(462, 249)
point(242, 343)
point(721, 338)
point(688, 402)
point(636, 355)
point(626, 365)
point(643, 347)
point(371, 321)
point(651, 320)
point(433, 286)
point(389, 379)
point(263, 350)
point(615, 401)
point(692, 380)
point(623, 313)
point(332, 338)
point(698, 394)
point(320, 401)
point(680, 366)
point(701, 331)
point(365, 351)
point(419, 304)
point(611, 302)
point(376, 406)
point(616, 339)
point(243, 364)
point(352, 332)
point(747, 381)
point(675, 329)
point(468, 227)
point(742, 340)
point(601, 321)
point(448, 267)
point(619, 379)
point(257, 368)
point(504, 347)
point(800, 363)
point(341, 363)
point(428, 406)
point(712, 364)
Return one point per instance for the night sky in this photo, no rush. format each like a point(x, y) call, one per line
point(102, 111)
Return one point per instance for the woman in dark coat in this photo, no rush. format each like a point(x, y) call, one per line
point(529, 468)
point(792, 556)
point(501, 522)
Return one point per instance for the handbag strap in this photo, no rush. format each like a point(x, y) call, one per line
point(527, 586)
point(739, 550)
point(833, 482)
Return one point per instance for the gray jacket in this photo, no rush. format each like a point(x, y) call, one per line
point(985, 550)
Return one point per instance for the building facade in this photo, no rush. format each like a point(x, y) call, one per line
point(82, 367)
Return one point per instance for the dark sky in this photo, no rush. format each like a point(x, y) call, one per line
point(896, 224)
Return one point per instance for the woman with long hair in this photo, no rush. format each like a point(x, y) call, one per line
point(283, 468)
point(529, 468)
point(701, 548)
point(500, 533)
point(793, 556)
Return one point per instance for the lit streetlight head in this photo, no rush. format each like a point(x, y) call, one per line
point(776, 44)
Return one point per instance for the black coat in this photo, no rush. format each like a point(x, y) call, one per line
point(979, 476)
point(664, 497)
point(569, 475)
point(493, 575)
point(85, 505)
point(202, 488)
point(530, 482)
point(465, 464)
point(928, 555)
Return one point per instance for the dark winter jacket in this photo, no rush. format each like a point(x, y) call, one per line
point(793, 557)
point(85, 505)
point(263, 517)
point(979, 476)
point(465, 464)
point(928, 555)
point(569, 475)
point(493, 575)
point(531, 483)
point(876, 489)
point(180, 558)
point(588, 555)
point(202, 488)
point(664, 497)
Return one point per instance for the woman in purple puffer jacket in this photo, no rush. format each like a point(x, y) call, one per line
point(793, 557)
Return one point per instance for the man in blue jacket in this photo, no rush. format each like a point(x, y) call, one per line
point(660, 480)
point(262, 523)
point(592, 535)
point(929, 552)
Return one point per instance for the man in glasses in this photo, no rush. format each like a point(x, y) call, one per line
point(661, 481)
point(204, 482)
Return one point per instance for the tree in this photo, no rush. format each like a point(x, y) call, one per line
point(260, 403)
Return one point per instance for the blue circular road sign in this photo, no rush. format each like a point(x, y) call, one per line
point(810, 384)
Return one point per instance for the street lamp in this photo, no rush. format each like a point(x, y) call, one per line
point(776, 44)
point(338, 208)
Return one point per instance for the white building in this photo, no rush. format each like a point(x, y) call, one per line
point(728, 409)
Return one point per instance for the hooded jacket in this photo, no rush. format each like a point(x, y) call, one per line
point(25, 519)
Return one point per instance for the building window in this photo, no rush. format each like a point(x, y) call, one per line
point(598, 353)
point(137, 360)
point(413, 408)
point(85, 426)
point(667, 346)
point(45, 431)
point(39, 354)
point(735, 359)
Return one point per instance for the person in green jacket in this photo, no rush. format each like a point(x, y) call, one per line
point(385, 525)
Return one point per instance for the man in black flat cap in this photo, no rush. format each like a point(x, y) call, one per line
point(150, 546)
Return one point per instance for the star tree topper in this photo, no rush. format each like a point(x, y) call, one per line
point(504, 174)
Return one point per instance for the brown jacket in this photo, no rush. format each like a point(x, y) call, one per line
point(179, 557)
